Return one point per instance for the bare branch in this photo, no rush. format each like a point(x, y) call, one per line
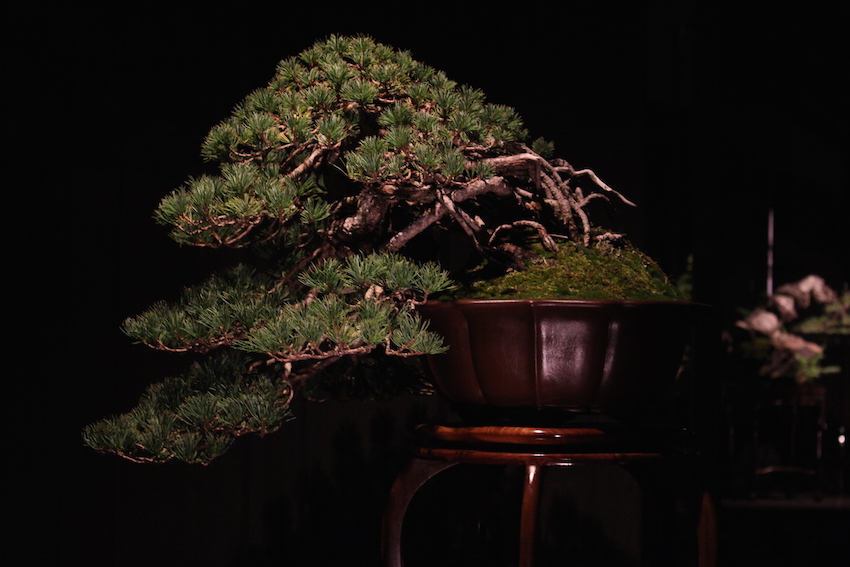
point(404, 236)
point(464, 220)
point(595, 178)
point(496, 185)
point(308, 162)
point(548, 242)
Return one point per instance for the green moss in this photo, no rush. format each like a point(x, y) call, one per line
point(606, 271)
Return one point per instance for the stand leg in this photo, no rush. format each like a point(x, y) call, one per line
point(707, 533)
point(528, 521)
point(404, 488)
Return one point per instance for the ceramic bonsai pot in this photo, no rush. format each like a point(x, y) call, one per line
point(602, 356)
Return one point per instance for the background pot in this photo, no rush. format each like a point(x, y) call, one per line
point(615, 357)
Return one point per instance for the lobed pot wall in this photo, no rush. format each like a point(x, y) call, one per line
point(576, 355)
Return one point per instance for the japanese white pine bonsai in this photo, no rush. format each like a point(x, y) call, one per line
point(357, 184)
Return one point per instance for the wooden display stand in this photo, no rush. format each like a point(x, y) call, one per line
point(442, 447)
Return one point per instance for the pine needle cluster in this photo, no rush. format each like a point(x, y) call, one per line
point(195, 417)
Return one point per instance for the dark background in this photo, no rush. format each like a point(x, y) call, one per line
point(706, 115)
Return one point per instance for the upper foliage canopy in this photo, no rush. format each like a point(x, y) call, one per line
point(351, 154)
point(344, 116)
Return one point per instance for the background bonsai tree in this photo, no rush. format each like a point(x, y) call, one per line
point(788, 335)
point(352, 155)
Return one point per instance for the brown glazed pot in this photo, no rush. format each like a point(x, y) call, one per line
point(578, 355)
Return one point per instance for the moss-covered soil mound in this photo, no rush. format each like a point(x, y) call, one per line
point(605, 271)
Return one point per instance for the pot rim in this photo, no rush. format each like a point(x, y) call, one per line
point(564, 301)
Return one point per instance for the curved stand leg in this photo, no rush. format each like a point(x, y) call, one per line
point(404, 488)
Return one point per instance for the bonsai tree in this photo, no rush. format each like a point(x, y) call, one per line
point(355, 186)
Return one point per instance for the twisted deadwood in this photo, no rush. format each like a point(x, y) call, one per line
point(551, 184)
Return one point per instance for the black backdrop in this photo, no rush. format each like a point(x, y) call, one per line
point(704, 115)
